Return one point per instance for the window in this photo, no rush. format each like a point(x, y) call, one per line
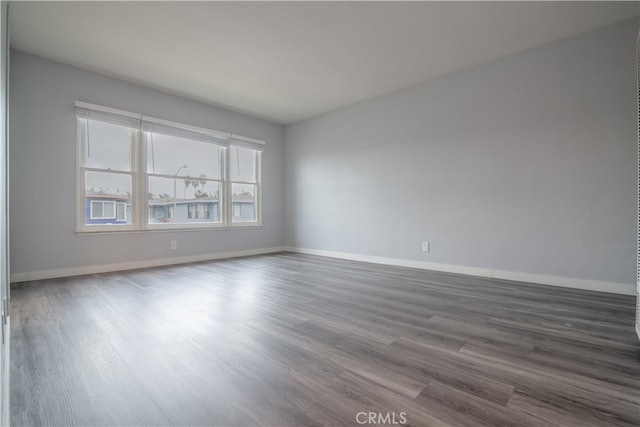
point(141, 173)
point(243, 174)
point(102, 210)
point(199, 211)
point(180, 170)
point(121, 212)
point(106, 167)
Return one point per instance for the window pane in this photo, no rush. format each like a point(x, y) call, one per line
point(242, 164)
point(243, 197)
point(166, 155)
point(96, 210)
point(188, 196)
point(102, 191)
point(121, 211)
point(108, 209)
point(107, 146)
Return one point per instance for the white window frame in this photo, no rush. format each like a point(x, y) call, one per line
point(81, 225)
point(258, 195)
point(145, 188)
point(139, 207)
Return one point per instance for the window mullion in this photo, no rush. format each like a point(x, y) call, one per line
point(80, 185)
point(226, 190)
point(179, 177)
point(87, 169)
point(258, 178)
point(142, 182)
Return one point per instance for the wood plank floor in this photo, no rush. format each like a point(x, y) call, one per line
point(292, 340)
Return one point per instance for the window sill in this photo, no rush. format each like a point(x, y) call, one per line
point(167, 229)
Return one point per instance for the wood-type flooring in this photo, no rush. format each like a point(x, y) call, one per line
point(298, 340)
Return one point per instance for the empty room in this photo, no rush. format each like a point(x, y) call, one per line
point(319, 213)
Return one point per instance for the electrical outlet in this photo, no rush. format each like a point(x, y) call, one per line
point(425, 246)
point(174, 244)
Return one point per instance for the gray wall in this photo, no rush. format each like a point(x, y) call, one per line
point(526, 163)
point(43, 162)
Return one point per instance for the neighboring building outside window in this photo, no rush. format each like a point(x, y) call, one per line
point(106, 209)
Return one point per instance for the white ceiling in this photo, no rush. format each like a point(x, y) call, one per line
point(288, 61)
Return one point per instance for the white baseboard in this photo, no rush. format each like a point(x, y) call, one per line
point(133, 265)
point(568, 282)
